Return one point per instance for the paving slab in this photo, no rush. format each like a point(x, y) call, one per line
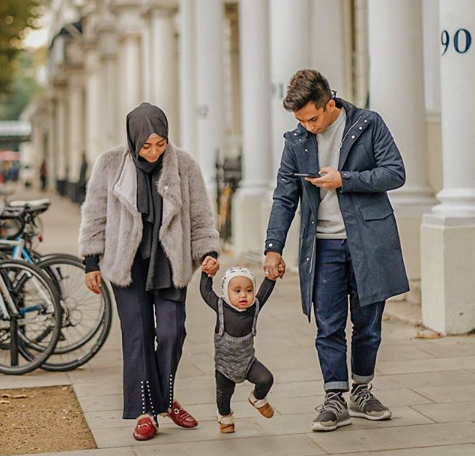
point(394, 438)
point(446, 413)
point(424, 379)
point(35, 379)
point(446, 450)
point(298, 423)
point(448, 394)
point(263, 446)
point(103, 403)
point(427, 365)
point(392, 398)
point(170, 433)
point(100, 452)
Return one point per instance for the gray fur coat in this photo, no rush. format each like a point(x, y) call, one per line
point(111, 224)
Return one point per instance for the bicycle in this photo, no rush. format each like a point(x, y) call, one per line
point(87, 318)
point(30, 317)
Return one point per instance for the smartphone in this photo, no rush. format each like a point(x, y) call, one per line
point(307, 175)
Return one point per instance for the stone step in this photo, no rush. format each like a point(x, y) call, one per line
point(405, 311)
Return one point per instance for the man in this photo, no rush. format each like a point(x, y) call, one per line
point(349, 243)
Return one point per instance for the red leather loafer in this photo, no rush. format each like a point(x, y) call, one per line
point(181, 417)
point(145, 429)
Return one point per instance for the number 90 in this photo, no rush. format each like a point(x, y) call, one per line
point(445, 40)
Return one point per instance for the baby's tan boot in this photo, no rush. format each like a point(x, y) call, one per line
point(262, 406)
point(226, 423)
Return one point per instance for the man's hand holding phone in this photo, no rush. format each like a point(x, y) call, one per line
point(328, 178)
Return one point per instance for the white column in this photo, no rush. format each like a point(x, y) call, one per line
point(109, 85)
point(76, 129)
point(361, 61)
point(290, 52)
point(431, 30)
point(458, 135)
point(95, 99)
point(256, 128)
point(397, 93)
point(332, 57)
point(210, 86)
point(188, 83)
point(147, 56)
point(131, 71)
point(430, 10)
point(129, 25)
point(107, 45)
point(448, 233)
point(397, 89)
point(164, 66)
point(52, 145)
point(290, 22)
point(61, 135)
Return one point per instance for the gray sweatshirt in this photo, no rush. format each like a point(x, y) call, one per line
point(330, 222)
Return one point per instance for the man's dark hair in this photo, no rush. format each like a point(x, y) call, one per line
point(307, 86)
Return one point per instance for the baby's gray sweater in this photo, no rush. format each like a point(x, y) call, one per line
point(330, 222)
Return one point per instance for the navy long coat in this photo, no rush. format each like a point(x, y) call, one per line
point(370, 165)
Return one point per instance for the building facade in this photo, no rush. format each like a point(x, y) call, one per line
point(219, 69)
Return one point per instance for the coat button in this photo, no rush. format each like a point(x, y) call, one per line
point(353, 136)
point(308, 259)
point(166, 187)
point(295, 134)
point(361, 128)
point(270, 245)
point(366, 120)
point(306, 150)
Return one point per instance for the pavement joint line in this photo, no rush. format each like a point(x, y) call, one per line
point(424, 415)
point(255, 423)
point(313, 442)
point(424, 396)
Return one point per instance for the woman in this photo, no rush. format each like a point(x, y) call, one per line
point(146, 226)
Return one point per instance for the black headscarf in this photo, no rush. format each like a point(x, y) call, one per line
point(142, 122)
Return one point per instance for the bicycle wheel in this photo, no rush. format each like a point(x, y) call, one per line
point(36, 325)
point(87, 317)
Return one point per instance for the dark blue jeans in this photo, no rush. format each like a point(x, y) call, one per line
point(334, 282)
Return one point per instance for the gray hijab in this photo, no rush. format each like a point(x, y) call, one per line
point(142, 122)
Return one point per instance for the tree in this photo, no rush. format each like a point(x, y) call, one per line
point(17, 17)
point(25, 87)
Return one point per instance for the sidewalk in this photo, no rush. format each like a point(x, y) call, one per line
point(429, 384)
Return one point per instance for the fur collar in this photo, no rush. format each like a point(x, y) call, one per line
point(168, 186)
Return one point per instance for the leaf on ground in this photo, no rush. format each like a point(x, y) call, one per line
point(385, 317)
point(428, 334)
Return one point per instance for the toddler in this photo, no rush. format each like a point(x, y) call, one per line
point(237, 311)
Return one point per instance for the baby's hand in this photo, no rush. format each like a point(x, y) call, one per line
point(210, 266)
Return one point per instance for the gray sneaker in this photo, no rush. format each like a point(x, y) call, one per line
point(363, 404)
point(333, 413)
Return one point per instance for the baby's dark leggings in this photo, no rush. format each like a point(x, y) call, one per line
point(258, 374)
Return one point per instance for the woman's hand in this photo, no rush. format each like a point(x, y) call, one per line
point(210, 266)
point(94, 281)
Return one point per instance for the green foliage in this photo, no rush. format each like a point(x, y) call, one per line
point(23, 88)
point(17, 17)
